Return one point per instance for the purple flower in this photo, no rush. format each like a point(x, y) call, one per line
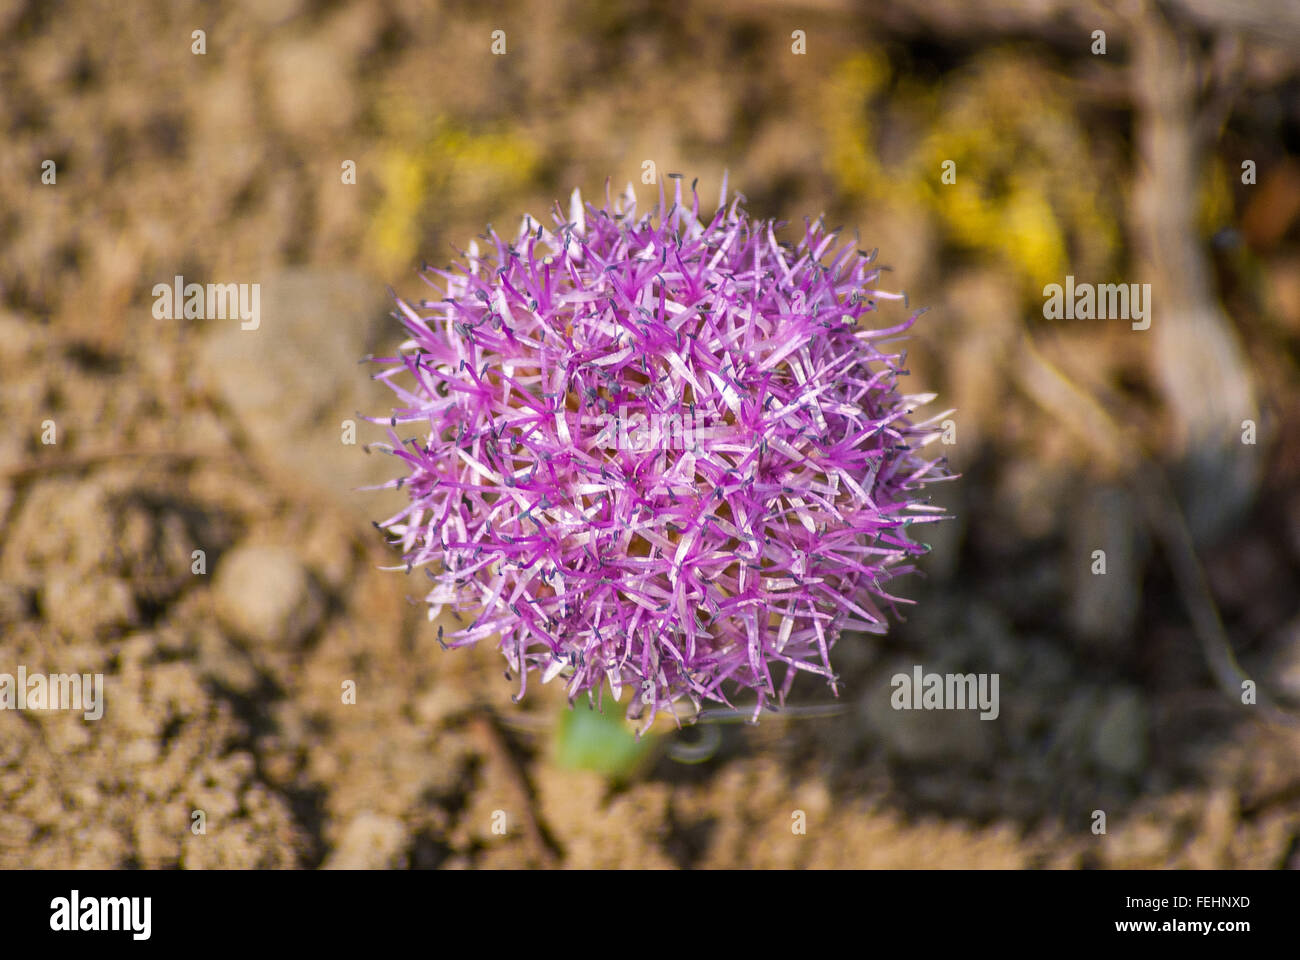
point(658, 453)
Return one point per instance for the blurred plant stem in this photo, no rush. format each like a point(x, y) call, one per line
point(1196, 352)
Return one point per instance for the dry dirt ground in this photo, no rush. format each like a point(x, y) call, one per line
point(224, 687)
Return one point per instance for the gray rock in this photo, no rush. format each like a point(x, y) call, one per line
point(80, 606)
point(370, 842)
point(1104, 606)
point(1284, 667)
point(1119, 741)
point(13, 603)
point(267, 595)
point(294, 380)
point(926, 736)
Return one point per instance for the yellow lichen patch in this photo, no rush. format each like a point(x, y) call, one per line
point(851, 153)
point(453, 162)
point(1023, 186)
point(1214, 204)
point(394, 230)
point(1025, 181)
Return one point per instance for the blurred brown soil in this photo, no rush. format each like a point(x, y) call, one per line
point(226, 689)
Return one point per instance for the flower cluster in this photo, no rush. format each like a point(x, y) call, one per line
point(684, 571)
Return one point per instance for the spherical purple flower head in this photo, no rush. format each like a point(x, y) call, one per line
point(658, 452)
